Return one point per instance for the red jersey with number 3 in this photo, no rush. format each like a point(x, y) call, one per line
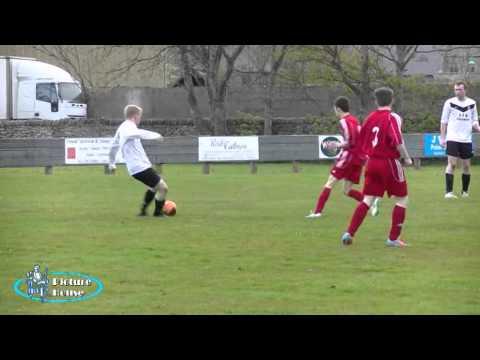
point(381, 134)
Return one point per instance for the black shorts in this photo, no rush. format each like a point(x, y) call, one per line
point(460, 150)
point(149, 177)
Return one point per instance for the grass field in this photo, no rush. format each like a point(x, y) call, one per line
point(239, 244)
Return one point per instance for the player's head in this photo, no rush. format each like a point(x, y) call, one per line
point(133, 112)
point(384, 96)
point(460, 89)
point(341, 106)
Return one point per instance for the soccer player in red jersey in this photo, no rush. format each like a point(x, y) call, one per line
point(350, 161)
point(381, 140)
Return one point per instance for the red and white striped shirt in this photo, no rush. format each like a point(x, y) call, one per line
point(350, 130)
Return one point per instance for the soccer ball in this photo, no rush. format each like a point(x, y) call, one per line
point(170, 208)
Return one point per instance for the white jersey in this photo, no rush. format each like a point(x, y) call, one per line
point(460, 116)
point(127, 140)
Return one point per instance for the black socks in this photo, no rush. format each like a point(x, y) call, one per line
point(465, 182)
point(149, 195)
point(449, 182)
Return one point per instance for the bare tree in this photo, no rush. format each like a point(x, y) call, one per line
point(144, 59)
point(355, 67)
point(400, 56)
point(275, 64)
point(217, 63)
point(266, 66)
point(188, 75)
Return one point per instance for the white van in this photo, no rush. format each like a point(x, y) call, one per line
point(32, 89)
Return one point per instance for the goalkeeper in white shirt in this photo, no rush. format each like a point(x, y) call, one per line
point(127, 140)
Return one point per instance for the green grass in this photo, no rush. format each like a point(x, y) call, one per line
point(239, 244)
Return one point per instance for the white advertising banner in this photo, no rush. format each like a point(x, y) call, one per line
point(227, 148)
point(326, 146)
point(89, 151)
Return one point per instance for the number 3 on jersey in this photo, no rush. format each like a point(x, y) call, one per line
point(375, 130)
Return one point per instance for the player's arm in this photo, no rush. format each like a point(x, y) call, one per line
point(396, 135)
point(443, 132)
point(444, 123)
point(113, 151)
point(402, 149)
point(144, 135)
point(475, 124)
point(345, 134)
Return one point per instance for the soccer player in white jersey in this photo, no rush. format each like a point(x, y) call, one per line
point(127, 140)
point(459, 116)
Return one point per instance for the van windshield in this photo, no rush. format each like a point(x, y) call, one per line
point(71, 92)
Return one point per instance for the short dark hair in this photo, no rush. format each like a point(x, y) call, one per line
point(460, 82)
point(342, 103)
point(384, 96)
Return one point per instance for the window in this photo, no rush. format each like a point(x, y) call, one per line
point(451, 64)
point(71, 92)
point(47, 92)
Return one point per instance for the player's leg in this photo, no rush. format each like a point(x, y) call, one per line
point(147, 199)
point(466, 154)
point(360, 213)
point(397, 187)
point(353, 177)
point(375, 208)
point(465, 177)
point(145, 177)
point(151, 179)
point(452, 155)
point(348, 191)
point(323, 197)
point(398, 219)
point(357, 219)
point(373, 187)
point(160, 197)
point(449, 176)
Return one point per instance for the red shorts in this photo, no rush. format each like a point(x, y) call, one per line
point(385, 175)
point(347, 167)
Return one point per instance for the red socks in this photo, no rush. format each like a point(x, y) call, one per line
point(357, 195)
point(398, 217)
point(322, 199)
point(357, 219)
